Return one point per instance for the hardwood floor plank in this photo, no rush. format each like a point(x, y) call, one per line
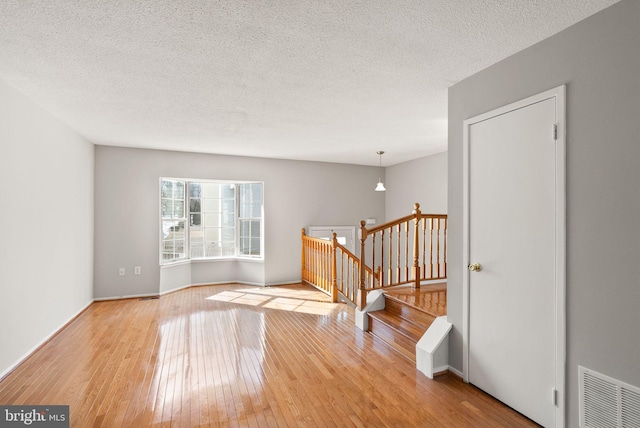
point(234, 355)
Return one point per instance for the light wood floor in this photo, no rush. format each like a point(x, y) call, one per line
point(431, 298)
point(233, 355)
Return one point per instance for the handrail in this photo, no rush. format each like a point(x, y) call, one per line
point(408, 250)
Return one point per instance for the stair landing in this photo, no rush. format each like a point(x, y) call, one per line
point(431, 298)
point(408, 313)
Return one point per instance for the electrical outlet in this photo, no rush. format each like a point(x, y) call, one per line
point(121, 271)
point(137, 270)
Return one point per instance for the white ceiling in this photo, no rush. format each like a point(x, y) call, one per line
point(325, 80)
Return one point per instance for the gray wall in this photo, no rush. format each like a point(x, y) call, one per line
point(599, 61)
point(297, 194)
point(46, 256)
point(422, 180)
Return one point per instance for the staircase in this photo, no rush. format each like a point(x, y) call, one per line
point(407, 315)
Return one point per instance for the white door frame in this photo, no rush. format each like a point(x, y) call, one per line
point(559, 94)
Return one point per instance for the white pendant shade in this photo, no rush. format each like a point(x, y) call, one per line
point(380, 186)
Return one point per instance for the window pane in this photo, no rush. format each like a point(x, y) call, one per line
point(167, 208)
point(228, 206)
point(195, 190)
point(211, 205)
point(213, 249)
point(228, 249)
point(255, 247)
point(255, 228)
point(194, 205)
point(212, 234)
point(178, 190)
point(167, 189)
point(178, 208)
point(228, 235)
point(211, 190)
point(228, 219)
point(195, 220)
point(173, 240)
point(197, 250)
point(228, 191)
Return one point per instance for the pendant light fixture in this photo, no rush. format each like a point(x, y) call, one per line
point(380, 186)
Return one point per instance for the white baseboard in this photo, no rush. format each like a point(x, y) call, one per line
point(456, 372)
point(274, 284)
point(253, 284)
point(173, 290)
point(132, 296)
point(42, 342)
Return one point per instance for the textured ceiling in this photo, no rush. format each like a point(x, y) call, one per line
point(322, 80)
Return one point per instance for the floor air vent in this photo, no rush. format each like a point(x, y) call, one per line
point(606, 402)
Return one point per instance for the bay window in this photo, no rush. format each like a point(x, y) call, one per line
point(210, 219)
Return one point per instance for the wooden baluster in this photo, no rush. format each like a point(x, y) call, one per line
point(326, 267)
point(431, 248)
point(406, 251)
point(314, 263)
point(390, 267)
point(381, 267)
point(373, 259)
point(319, 264)
point(334, 285)
point(398, 264)
point(303, 254)
point(416, 247)
point(423, 267)
point(445, 249)
point(322, 266)
point(438, 247)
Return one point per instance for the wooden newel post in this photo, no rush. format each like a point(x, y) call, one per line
point(334, 284)
point(416, 246)
point(362, 294)
point(304, 250)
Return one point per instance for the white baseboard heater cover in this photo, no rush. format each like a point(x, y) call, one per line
point(606, 402)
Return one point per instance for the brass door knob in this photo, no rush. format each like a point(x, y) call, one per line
point(475, 267)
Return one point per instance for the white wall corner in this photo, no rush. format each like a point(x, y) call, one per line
point(375, 302)
point(432, 350)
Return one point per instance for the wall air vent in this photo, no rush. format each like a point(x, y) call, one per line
point(606, 402)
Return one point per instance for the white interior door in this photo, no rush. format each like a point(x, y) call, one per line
point(513, 279)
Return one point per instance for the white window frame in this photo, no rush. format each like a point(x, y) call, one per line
point(187, 219)
point(175, 219)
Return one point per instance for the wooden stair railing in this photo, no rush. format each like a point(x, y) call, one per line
point(408, 250)
point(331, 267)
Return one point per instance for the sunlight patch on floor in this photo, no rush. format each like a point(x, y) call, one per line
point(303, 301)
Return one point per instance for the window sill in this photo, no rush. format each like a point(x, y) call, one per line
point(213, 260)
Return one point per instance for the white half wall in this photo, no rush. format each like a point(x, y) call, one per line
point(46, 256)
